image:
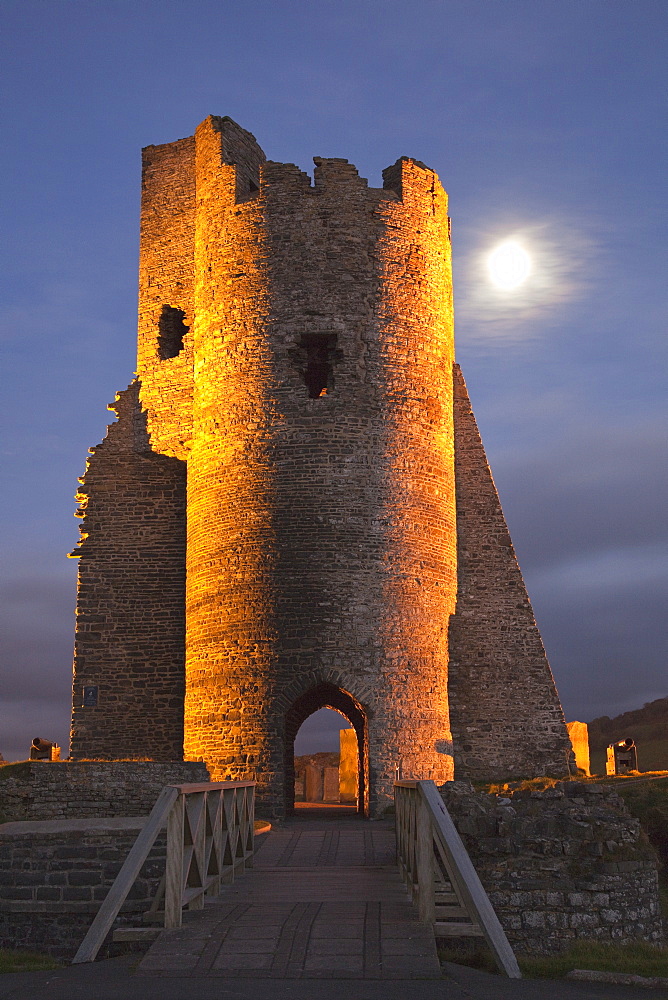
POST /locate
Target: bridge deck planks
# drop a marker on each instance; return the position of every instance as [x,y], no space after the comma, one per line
[324,900]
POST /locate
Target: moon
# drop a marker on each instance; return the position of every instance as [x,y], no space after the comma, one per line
[509,265]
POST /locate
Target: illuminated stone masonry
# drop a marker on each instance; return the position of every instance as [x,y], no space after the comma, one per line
[295,407]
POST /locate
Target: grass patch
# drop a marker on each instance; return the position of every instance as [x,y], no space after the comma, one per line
[522,784]
[638,958]
[25,961]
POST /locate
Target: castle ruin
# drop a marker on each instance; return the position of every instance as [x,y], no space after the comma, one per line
[294,509]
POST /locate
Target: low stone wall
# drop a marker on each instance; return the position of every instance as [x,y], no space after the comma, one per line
[561,864]
[45,790]
[55,874]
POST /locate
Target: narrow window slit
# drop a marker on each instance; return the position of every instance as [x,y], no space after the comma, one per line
[171,331]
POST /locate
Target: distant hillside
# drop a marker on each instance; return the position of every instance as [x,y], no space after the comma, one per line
[648,726]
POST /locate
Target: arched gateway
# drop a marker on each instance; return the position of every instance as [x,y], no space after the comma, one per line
[294,508]
[326,695]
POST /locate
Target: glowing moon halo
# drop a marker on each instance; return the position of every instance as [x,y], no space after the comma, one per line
[509,265]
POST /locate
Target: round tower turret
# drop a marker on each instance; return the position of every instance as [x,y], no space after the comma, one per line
[321,552]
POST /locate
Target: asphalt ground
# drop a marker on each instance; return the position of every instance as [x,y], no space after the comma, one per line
[117,979]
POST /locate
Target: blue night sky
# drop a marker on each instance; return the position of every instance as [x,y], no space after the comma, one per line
[545,120]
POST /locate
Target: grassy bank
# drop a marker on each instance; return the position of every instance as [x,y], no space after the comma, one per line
[25,961]
[638,958]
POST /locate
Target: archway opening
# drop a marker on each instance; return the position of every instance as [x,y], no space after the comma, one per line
[327,696]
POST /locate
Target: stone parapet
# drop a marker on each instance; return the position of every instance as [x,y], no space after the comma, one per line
[65,789]
[55,874]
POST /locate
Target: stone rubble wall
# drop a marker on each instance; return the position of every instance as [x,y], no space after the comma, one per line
[559,865]
[60,790]
[55,874]
[130,628]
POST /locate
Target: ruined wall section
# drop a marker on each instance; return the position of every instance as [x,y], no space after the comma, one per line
[166,275]
[165,354]
[238,148]
[321,545]
[67,789]
[130,619]
[507,721]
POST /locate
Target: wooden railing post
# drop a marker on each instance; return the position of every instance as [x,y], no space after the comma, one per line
[125,879]
[250,819]
[425,830]
[424,862]
[198,813]
[174,869]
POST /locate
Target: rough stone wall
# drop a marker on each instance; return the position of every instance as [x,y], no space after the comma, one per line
[65,789]
[167,271]
[507,720]
[54,876]
[321,544]
[560,865]
[130,605]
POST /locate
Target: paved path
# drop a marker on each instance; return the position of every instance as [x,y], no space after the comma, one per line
[324,900]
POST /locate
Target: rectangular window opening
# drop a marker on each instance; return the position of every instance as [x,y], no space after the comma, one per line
[319,348]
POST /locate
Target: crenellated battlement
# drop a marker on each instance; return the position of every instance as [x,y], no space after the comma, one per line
[219,142]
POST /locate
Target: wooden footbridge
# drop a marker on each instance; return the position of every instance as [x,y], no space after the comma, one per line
[320,898]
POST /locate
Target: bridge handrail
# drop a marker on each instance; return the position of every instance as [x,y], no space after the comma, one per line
[423,822]
[210,836]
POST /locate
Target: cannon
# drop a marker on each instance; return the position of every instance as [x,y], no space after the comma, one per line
[621,757]
[44,750]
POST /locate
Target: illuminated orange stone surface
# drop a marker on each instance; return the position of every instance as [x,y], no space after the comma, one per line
[348,765]
[321,535]
[579,737]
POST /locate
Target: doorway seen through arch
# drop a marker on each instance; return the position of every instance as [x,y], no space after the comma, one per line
[326,762]
[324,765]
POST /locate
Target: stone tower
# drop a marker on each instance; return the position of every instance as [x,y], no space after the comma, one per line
[275,522]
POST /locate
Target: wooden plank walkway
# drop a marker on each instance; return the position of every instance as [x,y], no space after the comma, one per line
[324,901]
